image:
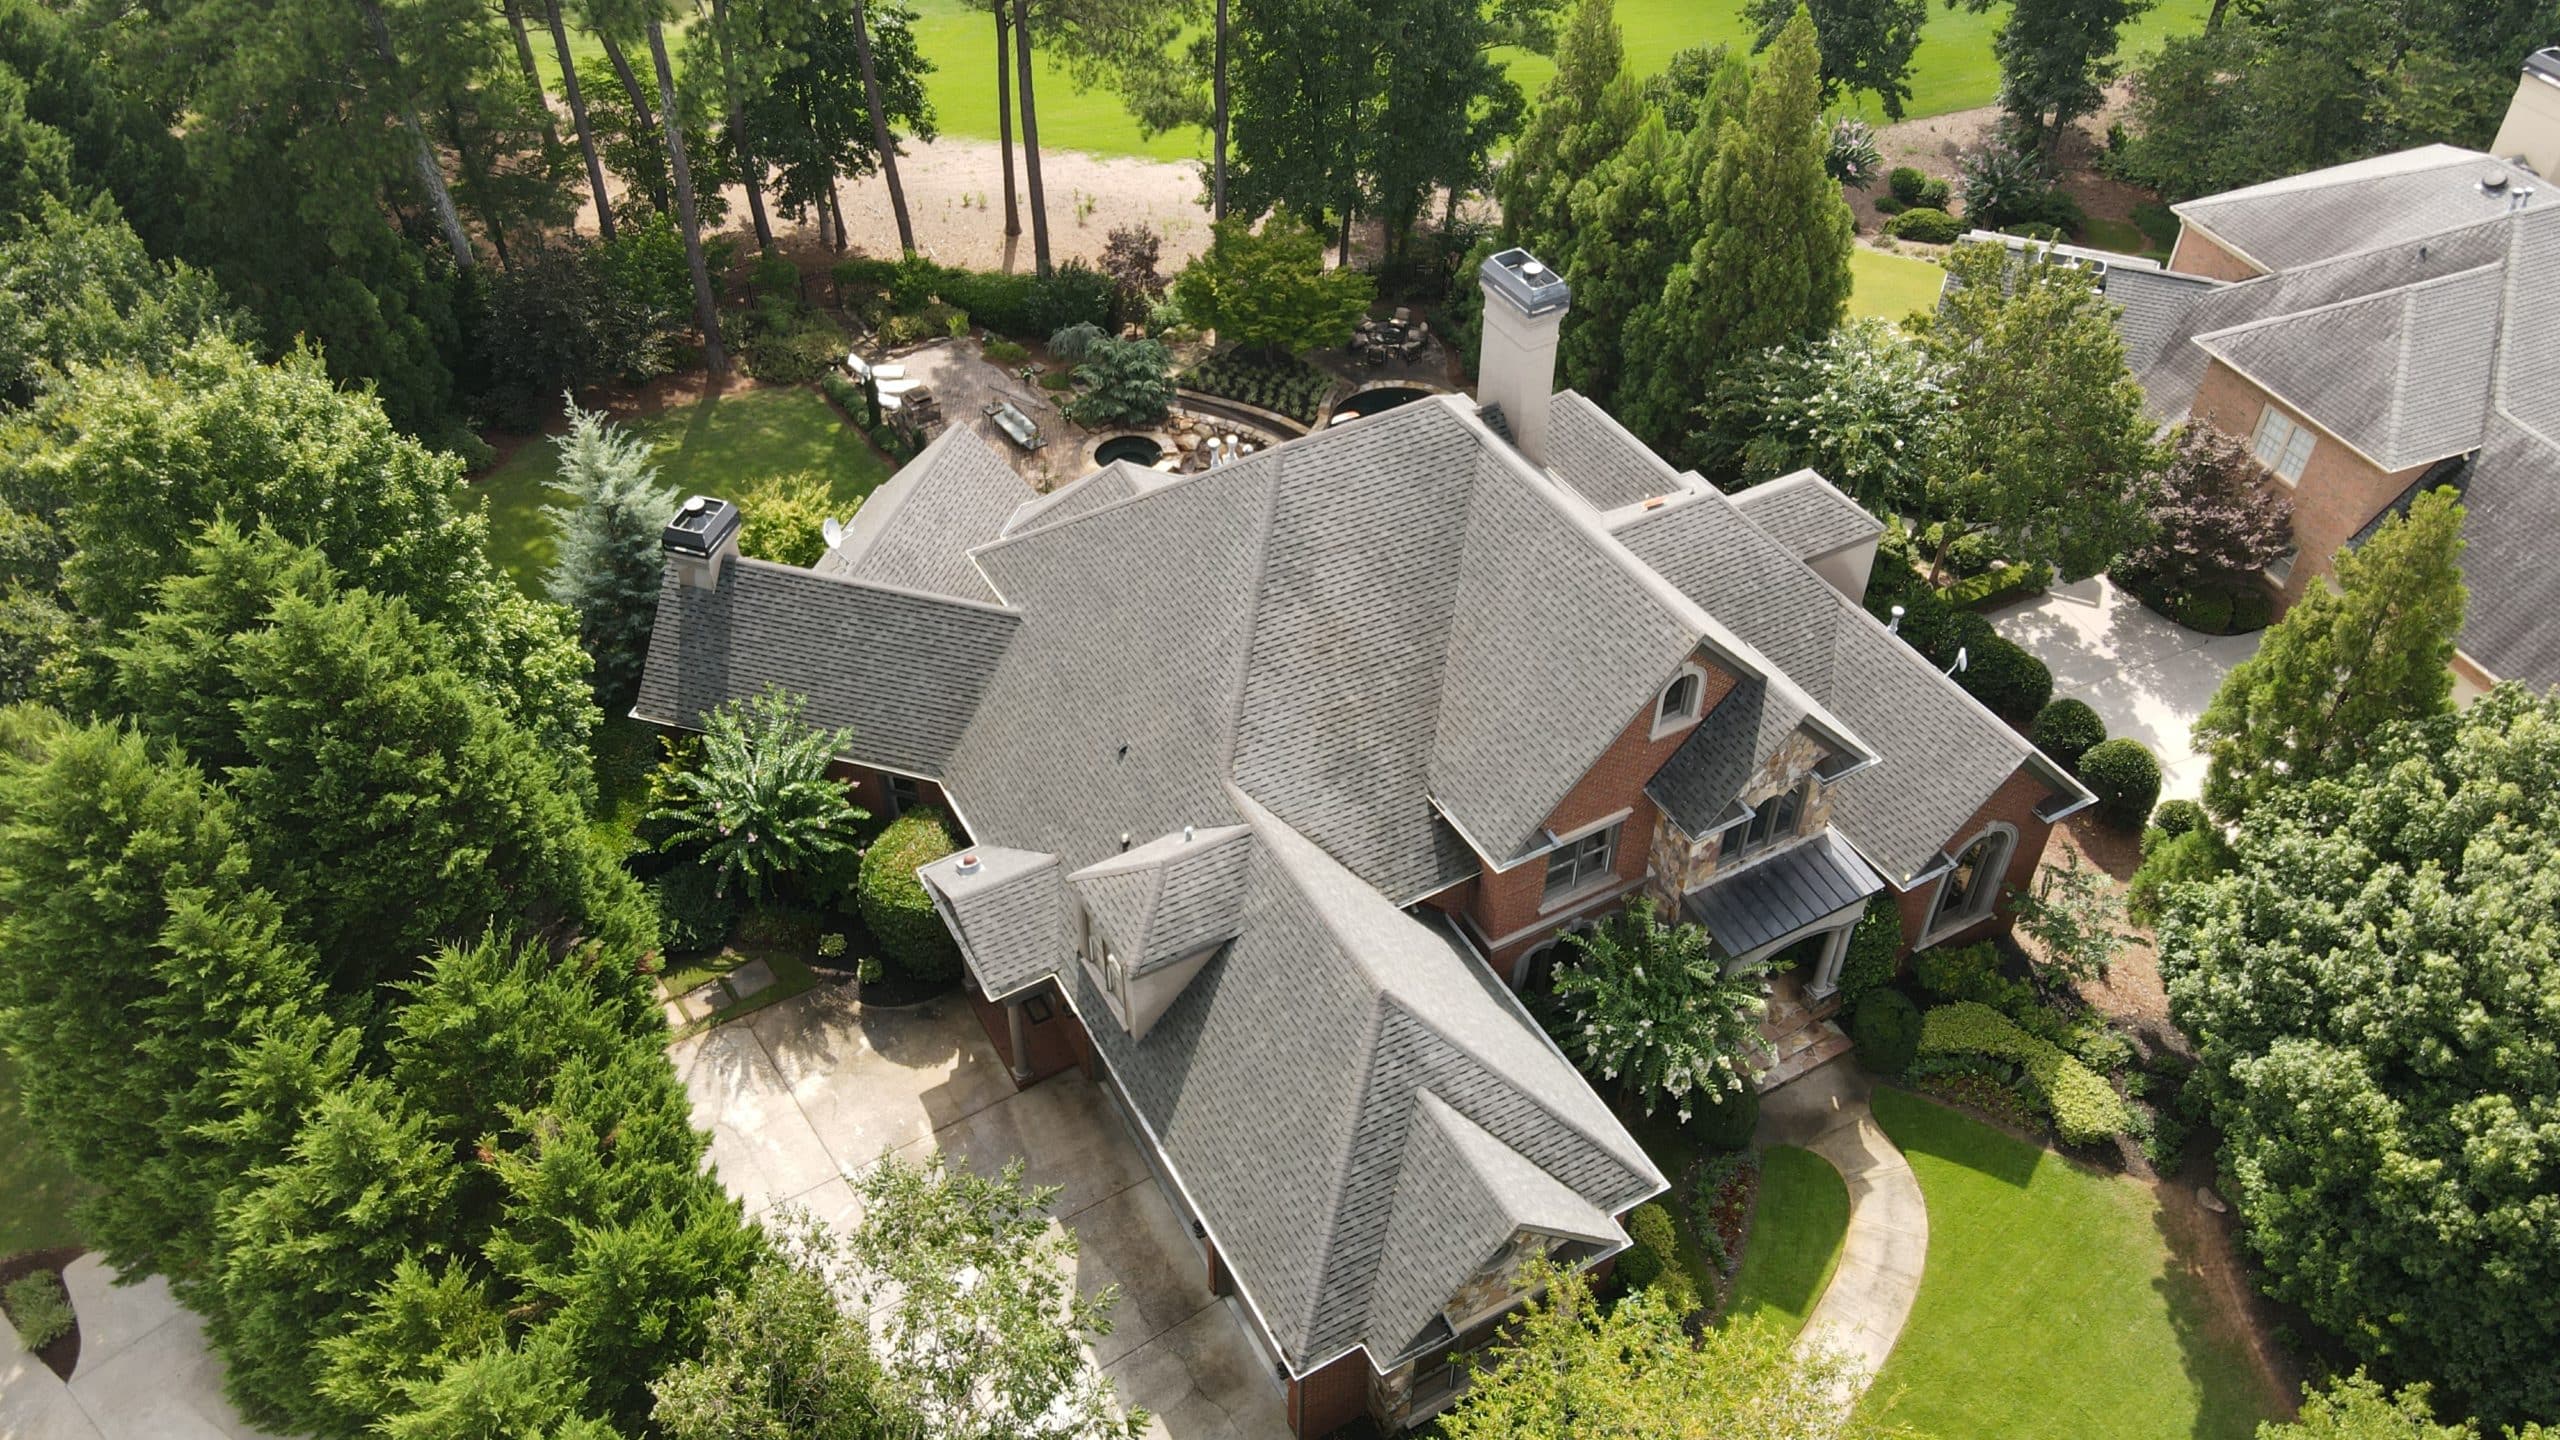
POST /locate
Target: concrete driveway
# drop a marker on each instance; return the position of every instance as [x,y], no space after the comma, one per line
[2147,677]
[145,1372]
[802,1096]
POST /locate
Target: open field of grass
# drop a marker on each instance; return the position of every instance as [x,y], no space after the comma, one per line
[715,446]
[1797,1227]
[2051,1304]
[36,1190]
[1888,287]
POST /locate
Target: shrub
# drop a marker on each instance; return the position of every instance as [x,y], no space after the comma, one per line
[2002,675]
[758,807]
[2066,730]
[1001,301]
[1006,352]
[786,343]
[2084,1107]
[38,1308]
[2167,859]
[1056,380]
[1960,972]
[2205,610]
[1129,256]
[2252,608]
[1934,195]
[1726,1121]
[1127,382]
[832,945]
[2006,185]
[692,913]
[1886,1026]
[2125,778]
[1269,290]
[1654,1247]
[1926,224]
[775,276]
[782,517]
[2178,817]
[1283,386]
[894,903]
[1849,152]
[1887,205]
[1076,341]
[1905,183]
[2103,1050]
[1074,293]
[1875,949]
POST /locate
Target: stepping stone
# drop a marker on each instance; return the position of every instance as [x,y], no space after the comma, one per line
[695,1004]
[674,1013]
[750,978]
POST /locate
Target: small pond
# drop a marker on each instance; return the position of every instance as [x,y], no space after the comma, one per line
[1383,397]
[1138,450]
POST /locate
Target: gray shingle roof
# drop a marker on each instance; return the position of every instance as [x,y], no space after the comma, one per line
[1700,785]
[1170,897]
[1769,899]
[2313,216]
[1011,915]
[1109,485]
[1590,451]
[2150,304]
[2403,375]
[903,671]
[914,532]
[2512,495]
[1808,515]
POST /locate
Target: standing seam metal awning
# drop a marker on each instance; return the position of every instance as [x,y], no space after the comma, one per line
[1778,896]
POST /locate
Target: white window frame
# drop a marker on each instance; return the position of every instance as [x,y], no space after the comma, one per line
[2280,570]
[1985,898]
[1665,718]
[1737,843]
[2282,444]
[1589,860]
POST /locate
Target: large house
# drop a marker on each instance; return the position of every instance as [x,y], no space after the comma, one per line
[1280,779]
[2380,328]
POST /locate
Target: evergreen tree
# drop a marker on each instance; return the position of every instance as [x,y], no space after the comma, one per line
[78,288]
[1583,117]
[1770,260]
[2342,663]
[610,560]
[1626,238]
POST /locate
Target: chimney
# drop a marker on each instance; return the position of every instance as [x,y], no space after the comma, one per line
[1524,305]
[2531,131]
[702,537]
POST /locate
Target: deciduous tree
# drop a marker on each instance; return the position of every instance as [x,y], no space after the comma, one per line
[1653,1008]
[1866,44]
[1863,405]
[2215,521]
[2056,57]
[1270,291]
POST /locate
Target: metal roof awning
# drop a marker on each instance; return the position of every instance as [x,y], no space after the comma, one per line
[1772,899]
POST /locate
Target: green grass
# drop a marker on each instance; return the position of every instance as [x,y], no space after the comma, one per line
[36,1189]
[2120,235]
[716,446]
[792,977]
[1889,287]
[1797,1226]
[2051,1304]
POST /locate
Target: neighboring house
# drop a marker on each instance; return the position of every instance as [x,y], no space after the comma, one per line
[1282,778]
[2379,328]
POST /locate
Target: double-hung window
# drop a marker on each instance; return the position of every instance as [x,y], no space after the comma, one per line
[2281,445]
[1775,820]
[1582,861]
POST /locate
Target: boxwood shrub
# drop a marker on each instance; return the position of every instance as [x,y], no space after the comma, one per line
[2000,673]
[893,901]
[1926,224]
[2066,730]
[1886,1027]
[2085,1108]
[2125,777]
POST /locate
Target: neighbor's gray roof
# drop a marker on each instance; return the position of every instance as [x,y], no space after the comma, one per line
[915,530]
[1768,900]
[2321,213]
[1011,916]
[1808,515]
[902,671]
[2403,375]
[1283,1085]
[1170,897]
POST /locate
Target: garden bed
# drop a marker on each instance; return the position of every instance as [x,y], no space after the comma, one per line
[62,1354]
[1286,387]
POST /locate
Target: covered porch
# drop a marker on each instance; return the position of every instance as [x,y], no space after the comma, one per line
[1809,895]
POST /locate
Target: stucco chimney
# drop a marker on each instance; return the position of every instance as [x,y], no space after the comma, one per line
[702,537]
[1524,305]
[2531,131]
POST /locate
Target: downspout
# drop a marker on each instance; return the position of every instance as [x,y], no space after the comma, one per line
[1016,1031]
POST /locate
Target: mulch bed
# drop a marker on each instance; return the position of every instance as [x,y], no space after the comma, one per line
[64,1353]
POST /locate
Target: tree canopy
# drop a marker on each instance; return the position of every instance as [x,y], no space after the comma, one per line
[1270,291]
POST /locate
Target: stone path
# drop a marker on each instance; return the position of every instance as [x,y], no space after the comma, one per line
[145,1372]
[1862,1313]
[1796,1038]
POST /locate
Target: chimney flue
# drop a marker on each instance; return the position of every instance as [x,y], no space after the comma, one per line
[1524,305]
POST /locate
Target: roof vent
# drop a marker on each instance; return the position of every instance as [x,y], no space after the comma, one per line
[1124,839]
[2494,181]
[968,864]
[1187,832]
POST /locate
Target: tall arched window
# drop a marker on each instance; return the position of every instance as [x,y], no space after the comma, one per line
[1680,701]
[1973,886]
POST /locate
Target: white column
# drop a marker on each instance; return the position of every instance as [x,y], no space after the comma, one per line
[1826,973]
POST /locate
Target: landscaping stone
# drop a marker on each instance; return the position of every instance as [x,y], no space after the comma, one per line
[699,1003]
[750,978]
[2206,1198]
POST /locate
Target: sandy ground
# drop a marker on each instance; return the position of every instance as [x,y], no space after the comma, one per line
[1937,146]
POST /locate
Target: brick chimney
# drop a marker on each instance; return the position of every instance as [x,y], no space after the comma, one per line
[702,537]
[1524,305]
[2531,131]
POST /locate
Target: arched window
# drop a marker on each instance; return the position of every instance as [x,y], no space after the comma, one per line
[1973,886]
[1680,700]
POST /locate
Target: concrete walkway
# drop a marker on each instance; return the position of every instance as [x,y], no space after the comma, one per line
[145,1372]
[2147,677]
[1862,1313]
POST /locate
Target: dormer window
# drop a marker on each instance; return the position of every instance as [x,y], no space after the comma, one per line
[1680,701]
[1774,821]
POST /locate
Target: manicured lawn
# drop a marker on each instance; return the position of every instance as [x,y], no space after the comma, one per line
[1889,287]
[716,446]
[36,1191]
[2051,1304]
[1796,1229]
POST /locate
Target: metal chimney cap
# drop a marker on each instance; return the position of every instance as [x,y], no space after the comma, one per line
[701,526]
[2544,62]
[1522,279]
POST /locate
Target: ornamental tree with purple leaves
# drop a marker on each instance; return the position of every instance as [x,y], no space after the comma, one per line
[2215,520]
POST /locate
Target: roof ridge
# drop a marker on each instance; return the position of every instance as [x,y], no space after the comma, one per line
[2399,292]
[827,577]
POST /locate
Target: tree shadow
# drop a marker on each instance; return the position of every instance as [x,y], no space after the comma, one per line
[2241,1376]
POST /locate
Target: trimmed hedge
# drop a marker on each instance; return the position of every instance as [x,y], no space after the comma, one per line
[894,903]
[2125,777]
[2066,730]
[1886,1027]
[1998,584]
[1655,1248]
[1927,225]
[2001,674]
[1875,951]
[2085,1108]
[2179,817]
[1020,304]
[1725,1121]
[692,913]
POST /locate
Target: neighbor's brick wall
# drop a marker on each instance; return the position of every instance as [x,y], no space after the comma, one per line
[2197,254]
[2339,490]
[2015,802]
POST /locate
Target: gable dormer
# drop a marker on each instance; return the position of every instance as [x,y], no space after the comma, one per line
[1153,917]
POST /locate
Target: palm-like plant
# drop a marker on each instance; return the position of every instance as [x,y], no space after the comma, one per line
[1655,1008]
[759,803]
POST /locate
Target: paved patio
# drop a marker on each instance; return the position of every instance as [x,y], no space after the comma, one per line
[144,1373]
[2147,677]
[804,1094]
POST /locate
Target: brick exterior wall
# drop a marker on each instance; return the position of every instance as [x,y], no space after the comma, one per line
[1331,1398]
[2014,802]
[1057,1043]
[2339,490]
[2197,254]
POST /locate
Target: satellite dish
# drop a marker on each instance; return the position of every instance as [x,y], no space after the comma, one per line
[834,531]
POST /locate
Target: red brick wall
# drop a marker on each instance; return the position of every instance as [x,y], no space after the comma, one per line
[2339,490]
[871,790]
[1496,905]
[1331,1398]
[2014,802]
[2197,254]
[1055,1043]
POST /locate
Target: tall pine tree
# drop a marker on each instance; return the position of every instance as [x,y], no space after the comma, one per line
[609,559]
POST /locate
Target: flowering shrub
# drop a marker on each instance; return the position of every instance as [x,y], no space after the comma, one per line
[2085,1107]
[758,805]
[1650,1006]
